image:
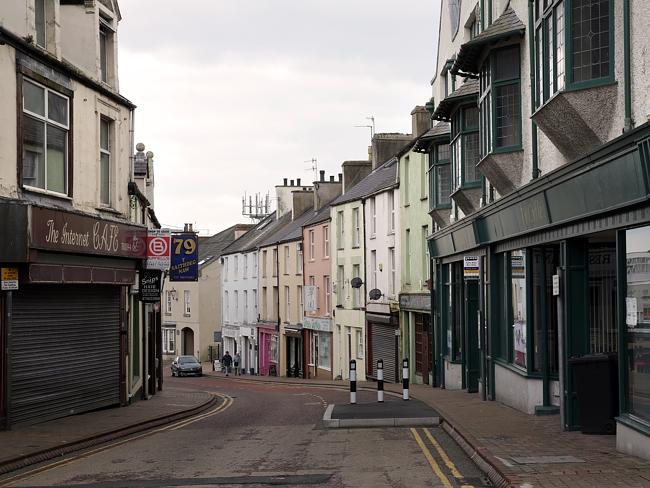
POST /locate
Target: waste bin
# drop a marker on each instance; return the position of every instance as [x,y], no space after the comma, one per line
[595,379]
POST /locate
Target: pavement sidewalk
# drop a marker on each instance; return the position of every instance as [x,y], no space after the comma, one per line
[516,449]
[23,446]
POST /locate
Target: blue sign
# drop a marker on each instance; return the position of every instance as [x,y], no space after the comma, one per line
[184,258]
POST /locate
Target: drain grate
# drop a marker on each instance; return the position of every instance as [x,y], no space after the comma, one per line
[477,482]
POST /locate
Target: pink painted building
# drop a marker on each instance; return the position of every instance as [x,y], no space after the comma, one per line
[317,321]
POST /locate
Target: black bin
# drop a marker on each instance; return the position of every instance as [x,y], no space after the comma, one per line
[596,383]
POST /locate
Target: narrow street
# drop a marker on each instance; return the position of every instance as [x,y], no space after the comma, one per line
[265,435]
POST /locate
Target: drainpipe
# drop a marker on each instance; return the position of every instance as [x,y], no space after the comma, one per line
[629,123]
[531,54]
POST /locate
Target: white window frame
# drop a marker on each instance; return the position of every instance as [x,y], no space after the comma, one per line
[373,267]
[187,303]
[301,304]
[287,304]
[356,292]
[356,223]
[287,257]
[254,257]
[312,245]
[373,217]
[168,302]
[340,229]
[391,212]
[360,345]
[246,306]
[245,259]
[327,284]
[340,280]
[45,120]
[236,258]
[236,300]
[326,241]
[105,151]
[393,271]
[226,308]
[299,258]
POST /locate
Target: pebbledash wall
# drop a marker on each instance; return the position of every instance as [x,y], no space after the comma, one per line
[554,189]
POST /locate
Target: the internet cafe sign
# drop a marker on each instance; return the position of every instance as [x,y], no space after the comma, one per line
[67,232]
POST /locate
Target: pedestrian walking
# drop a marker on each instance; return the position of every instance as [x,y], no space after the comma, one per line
[236,360]
[227,362]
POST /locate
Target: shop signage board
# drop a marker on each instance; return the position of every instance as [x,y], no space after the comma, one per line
[56,230]
[471,268]
[158,249]
[150,285]
[311,298]
[314,323]
[9,279]
[184,265]
[518,266]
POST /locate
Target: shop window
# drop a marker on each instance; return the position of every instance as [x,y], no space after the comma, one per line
[587,59]
[465,147]
[500,101]
[45,132]
[637,319]
[359,342]
[324,351]
[169,337]
[454,308]
[274,349]
[518,308]
[439,177]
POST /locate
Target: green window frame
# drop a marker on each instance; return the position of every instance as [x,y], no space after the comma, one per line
[500,101]
[453,286]
[439,177]
[465,147]
[569,54]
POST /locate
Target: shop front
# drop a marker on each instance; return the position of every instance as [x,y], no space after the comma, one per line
[560,299]
[318,345]
[383,343]
[293,341]
[248,351]
[268,346]
[70,343]
[231,338]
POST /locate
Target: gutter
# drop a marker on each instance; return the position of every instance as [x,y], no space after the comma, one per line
[629,122]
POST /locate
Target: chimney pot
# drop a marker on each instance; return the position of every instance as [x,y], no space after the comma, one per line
[298,182]
[340,176]
[322,174]
[331,178]
[291,181]
[285,182]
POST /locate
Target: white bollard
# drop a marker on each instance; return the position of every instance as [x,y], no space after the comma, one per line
[405,379]
[380,381]
[353,382]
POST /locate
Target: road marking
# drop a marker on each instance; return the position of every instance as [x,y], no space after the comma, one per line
[443,455]
[432,462]
[227,402]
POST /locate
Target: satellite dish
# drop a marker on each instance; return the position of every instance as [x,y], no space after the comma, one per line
[356,282]
[375,294]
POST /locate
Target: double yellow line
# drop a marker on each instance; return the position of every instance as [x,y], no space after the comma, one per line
[225,404]
[437,470]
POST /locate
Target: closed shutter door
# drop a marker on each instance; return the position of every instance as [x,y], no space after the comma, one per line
[383,347]
[65,351]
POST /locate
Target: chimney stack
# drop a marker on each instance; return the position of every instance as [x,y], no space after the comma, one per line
[331,178]
[291,182]
[420,121]
[188,228]
[285,182]
[298,182]
[341,177]
[322,175]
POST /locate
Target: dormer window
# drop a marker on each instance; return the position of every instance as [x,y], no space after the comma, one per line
[106,53]
[41,23]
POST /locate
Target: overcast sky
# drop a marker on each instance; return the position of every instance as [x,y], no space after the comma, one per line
[234,95]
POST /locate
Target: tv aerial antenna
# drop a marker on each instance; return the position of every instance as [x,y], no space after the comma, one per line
[313,166]
[370,126]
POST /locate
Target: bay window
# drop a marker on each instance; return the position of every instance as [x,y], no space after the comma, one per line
[500,101]
[465,147]
[439,176]
[573,45]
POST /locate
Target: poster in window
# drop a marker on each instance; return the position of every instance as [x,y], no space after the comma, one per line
[520,342]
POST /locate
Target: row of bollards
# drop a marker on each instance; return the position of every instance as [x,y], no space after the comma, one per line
[380,380]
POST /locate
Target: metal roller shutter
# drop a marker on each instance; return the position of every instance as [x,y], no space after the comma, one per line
[64,351]
[383,347]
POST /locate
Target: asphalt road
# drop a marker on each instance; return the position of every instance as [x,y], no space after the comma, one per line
[266,435]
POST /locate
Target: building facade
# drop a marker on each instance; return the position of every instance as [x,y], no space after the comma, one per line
[69,225]
[543,192]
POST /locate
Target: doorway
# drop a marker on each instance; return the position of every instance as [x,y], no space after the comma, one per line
[187,336]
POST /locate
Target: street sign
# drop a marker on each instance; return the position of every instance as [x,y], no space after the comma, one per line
[184,258]
[471,269]
[150,284]
[9,279]
[158,249]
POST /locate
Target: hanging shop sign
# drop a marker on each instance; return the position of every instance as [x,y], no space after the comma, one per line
[158,249]
[55,230]
[150,285]
[471,268]
[518,266]
[310,298]
[184,264]
[9,279]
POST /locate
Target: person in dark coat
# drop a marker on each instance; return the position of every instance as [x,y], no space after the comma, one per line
[227,362]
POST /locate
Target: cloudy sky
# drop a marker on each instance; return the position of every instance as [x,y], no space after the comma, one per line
[234,95]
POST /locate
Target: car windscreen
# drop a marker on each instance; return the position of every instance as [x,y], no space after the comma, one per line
[187,360]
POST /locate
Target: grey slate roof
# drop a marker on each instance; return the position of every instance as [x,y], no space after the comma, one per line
[439,131]
[290,230]
[467,91]
[507,25]
[382,178]
[251,239]
[212,247]
[321,215]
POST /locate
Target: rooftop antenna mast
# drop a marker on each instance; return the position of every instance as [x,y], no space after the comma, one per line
[370,126]
[257,211]
[313,167]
